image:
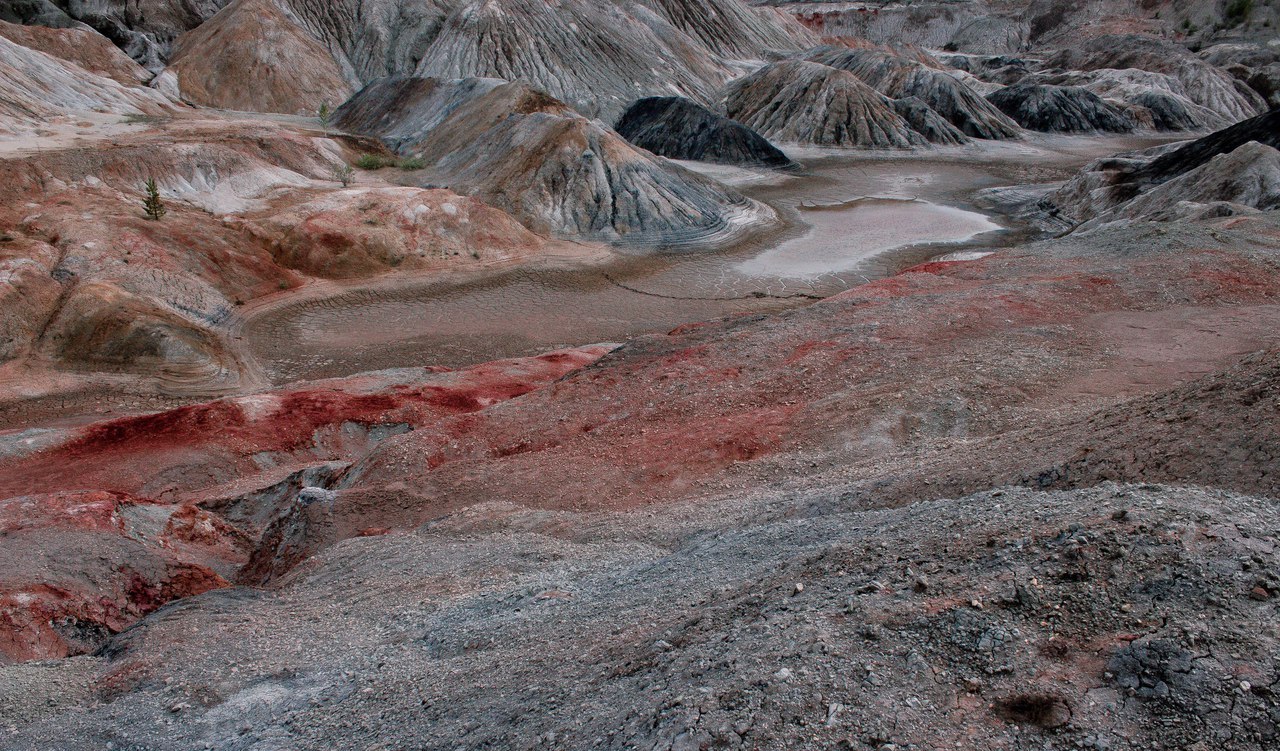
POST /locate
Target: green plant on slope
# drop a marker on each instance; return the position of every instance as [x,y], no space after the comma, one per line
[152,204]
[343,174]
[372,162]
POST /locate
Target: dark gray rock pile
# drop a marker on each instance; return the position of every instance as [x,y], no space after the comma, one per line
[1059,109]
[680,129]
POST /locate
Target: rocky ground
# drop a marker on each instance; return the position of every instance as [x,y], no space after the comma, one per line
[1021,497]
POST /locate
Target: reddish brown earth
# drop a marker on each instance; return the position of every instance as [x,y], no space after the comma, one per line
[915,371]
[252,57]
[742,533]
[944,351]
[102,298]
[89,50]
[120,517]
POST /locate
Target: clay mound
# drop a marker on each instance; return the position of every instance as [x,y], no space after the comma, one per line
[101,326]
[1204,84]
[1245,179]
[528,154]
[35,87]
[595,56]
[1108,184]
[91,287]
[403,112]
[359,232]
[1248,55]
[144,29]
[84,48]
[1166,112]
[899,78]
[1059,109]
[803,102]
[680,129]
[923,120]
[253,56]
[1157,101]
[1264,129]
[599,57]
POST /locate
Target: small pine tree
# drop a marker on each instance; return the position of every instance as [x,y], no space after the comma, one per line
[152,204]
[324,114]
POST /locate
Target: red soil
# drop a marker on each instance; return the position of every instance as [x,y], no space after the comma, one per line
[943,350]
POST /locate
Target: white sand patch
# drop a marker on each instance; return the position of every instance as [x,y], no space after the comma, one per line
[257,406]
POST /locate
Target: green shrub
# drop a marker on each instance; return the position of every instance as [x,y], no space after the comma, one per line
[373,162]
[412,163]
[1238,11]
[343,174]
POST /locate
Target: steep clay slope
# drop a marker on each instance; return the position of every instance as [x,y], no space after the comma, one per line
[899,77]
[35,87]
[596,56]
[1199,172]
[803,102]
[1205,84]
[88,50]
[144,29]
[924,120]
[680,129]
[557,172]
[1059,109]
[253,56]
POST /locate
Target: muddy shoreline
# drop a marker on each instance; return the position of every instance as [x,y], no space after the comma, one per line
[458,322]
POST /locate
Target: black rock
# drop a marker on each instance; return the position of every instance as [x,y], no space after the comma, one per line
[678,128]
[1059,109]
[928,123]
[1168,112]
[1264,129]
[1266,81]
